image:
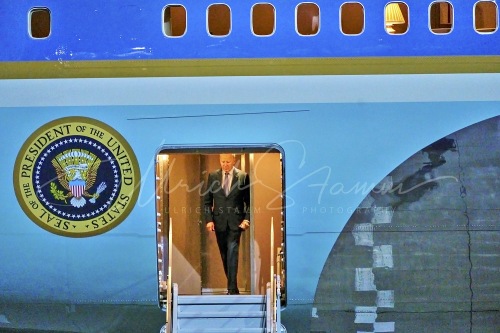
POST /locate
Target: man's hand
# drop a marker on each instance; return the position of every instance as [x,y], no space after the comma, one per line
[210,226]
[244,225]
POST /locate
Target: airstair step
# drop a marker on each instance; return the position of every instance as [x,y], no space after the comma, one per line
[218,322]
[221,299]
[200,308]
[220,305]
[221,314]
[223,330]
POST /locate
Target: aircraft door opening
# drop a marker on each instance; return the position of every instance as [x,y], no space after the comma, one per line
[195,263]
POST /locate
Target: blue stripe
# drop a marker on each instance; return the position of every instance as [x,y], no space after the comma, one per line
[114,30]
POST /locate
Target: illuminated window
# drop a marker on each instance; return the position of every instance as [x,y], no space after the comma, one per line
[39,22]
[263,19]
[219,19]
[307,19]
[396,18]
[174,20]
[352,18]
[485,16]
[441,17]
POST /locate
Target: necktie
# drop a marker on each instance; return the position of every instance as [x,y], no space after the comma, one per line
[225,185]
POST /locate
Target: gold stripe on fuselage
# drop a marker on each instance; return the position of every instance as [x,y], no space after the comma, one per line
[249,67]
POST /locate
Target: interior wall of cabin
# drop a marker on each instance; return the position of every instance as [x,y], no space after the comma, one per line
[266,178]
[219,19]
[441,17]
[263,19]
[486,13]
[307,19]
[352,18]
[174,19]
[183,178]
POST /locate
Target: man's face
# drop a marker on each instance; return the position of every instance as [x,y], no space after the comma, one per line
[226,162]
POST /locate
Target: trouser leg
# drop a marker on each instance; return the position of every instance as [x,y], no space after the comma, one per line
[229,242]
[233,244]
[222,244]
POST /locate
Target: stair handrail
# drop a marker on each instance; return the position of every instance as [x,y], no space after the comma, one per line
[273,282]
[168,315]
[275,288]
[175,309]
[277,307]
[268,308]
[274,292]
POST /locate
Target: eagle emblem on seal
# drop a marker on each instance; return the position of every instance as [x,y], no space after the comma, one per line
[76,171]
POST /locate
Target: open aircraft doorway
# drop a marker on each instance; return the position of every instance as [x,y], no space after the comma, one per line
[192,258]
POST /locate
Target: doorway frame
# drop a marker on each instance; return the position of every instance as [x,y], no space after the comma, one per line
[163,225]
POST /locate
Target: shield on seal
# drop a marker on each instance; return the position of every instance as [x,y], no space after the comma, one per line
[77,187]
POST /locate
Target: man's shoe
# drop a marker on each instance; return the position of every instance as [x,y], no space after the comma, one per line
[233,292]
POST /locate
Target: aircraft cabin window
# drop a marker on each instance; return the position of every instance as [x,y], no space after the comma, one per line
[352,18]
[263,19]
[219,20]
[174,20]
[39,23]
[441,17]
[485,17]
[307,21]
[396,18]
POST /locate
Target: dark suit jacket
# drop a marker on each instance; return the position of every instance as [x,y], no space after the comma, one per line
[231,210]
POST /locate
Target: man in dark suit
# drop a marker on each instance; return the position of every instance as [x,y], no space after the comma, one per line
[227,212]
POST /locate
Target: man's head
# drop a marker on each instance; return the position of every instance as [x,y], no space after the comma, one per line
[226,162]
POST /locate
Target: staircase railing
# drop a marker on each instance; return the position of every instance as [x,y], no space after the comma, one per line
[175,303]
[272,280]
[274,291]
[168,311]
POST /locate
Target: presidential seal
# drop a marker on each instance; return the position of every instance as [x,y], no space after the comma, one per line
[76,177]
